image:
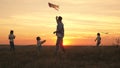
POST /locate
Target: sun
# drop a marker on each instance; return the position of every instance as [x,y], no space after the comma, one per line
[66,42]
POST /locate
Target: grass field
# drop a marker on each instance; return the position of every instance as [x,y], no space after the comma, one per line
[75,57]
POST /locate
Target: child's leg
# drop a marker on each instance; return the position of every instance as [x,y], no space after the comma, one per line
[98,43]
[11,46]
[38,48]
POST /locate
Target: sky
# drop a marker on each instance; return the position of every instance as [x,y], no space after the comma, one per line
[82,19]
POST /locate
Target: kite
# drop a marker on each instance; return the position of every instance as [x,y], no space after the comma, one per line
[56,7]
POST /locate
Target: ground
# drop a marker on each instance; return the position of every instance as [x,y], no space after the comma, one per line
[75,57]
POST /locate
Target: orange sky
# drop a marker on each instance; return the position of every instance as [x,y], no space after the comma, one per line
[82,20]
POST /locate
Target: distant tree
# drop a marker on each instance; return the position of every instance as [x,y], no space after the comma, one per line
[117,41]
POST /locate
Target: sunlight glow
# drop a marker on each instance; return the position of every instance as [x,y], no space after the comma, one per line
[66,42]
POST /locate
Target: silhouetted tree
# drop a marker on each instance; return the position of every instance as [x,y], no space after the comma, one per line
[117,41]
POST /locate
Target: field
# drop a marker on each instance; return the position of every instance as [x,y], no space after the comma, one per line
[75,57]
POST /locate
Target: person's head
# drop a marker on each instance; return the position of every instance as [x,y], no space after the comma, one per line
[60,18]
[38,38]
[11,32]
[98,34]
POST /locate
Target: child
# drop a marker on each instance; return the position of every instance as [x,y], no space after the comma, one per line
[11,38]
[98,39]
[39,42]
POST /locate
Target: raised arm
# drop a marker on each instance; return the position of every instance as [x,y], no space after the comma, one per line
[57,19]
[57,23]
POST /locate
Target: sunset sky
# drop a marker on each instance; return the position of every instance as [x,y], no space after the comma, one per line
[82,19]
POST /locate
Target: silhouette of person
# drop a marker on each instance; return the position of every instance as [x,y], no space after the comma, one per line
[60,34]
[39,43]
[11,39]
[98,39]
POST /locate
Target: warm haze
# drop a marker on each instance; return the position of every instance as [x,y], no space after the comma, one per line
[82,20]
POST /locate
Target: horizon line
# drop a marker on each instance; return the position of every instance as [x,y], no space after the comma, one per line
[50,45]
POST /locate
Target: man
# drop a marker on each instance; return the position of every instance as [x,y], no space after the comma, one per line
[60,34]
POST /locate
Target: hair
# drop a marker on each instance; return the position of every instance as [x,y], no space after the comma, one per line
[38,38]
[60,18]
[11,32]
[98,34]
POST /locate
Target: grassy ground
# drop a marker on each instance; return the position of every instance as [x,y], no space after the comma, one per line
[75,57]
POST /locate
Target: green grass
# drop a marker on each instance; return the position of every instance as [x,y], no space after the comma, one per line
[75,57]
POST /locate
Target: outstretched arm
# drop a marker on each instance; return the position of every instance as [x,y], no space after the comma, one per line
[54,32]
[43,41]
[95,39]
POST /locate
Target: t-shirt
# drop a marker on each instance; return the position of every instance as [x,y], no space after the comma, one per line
[11,37]
[60,29]
[98,39]
[38,43]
